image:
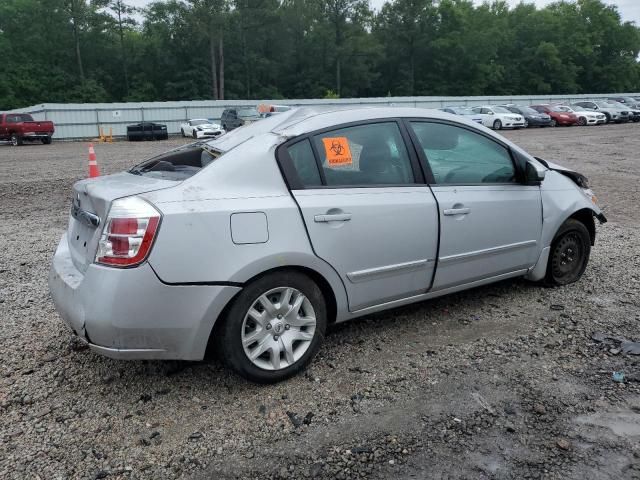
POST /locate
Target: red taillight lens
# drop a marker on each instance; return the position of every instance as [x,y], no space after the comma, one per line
[128,233]
[124,226]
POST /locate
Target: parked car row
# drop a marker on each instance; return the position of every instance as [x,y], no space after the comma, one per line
[197,128]
[585,113]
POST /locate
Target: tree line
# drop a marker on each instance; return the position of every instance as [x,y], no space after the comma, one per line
[107,50]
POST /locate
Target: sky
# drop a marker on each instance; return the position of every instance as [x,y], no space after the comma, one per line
[629,9]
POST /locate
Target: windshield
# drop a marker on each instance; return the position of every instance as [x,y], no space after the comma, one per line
[559,108]
[461,110]
[195,123]
[501,110]
[528,110]
[248,112]
[605,105]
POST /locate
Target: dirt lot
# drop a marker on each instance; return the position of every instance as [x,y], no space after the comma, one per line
[502,382]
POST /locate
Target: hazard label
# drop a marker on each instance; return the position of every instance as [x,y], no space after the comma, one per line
[337,151]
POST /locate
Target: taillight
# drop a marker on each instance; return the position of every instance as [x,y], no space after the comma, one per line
[128,233]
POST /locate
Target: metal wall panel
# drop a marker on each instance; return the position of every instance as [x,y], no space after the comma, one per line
[76,121]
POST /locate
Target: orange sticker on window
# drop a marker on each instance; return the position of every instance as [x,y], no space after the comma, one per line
[337,151]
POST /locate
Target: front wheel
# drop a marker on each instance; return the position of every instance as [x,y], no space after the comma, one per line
[182,132]
[497,125]
[16,140]
[554,123]
[569,254]
[195,134]
[582,121]
[274,327]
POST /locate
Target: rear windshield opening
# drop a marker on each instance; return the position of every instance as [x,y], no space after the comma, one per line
[178,164]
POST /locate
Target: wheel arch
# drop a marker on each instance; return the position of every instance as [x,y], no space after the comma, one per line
[585,216]
[325,286]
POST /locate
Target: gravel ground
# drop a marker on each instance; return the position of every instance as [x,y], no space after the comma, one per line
[502,382]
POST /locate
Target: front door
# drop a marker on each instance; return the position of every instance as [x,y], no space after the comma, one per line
[366,213]
[491,224]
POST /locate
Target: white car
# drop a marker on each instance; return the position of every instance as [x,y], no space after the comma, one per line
[201,128]
[585,117]
[499,117]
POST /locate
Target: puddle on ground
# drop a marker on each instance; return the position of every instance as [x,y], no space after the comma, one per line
[623,423]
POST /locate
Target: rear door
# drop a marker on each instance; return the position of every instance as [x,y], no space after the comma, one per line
[490,222]
[366,209]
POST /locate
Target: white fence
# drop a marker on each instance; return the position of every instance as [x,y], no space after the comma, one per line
[83,120]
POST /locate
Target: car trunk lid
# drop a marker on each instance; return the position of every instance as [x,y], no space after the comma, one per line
[90,205]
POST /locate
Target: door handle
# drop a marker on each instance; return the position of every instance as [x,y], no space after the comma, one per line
[457,211]
[335,217]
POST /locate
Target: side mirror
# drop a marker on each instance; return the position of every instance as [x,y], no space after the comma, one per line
[491,113]
[534,173]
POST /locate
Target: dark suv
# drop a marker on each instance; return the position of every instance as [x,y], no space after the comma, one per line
[236,117]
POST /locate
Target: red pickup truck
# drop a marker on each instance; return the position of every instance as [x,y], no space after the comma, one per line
[17,127]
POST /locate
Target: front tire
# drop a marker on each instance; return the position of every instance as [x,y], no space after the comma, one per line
[569,254]
[582,121]
[497,125]
[182,132]
[274,327]
[553,123]
[195,135]
[16,140]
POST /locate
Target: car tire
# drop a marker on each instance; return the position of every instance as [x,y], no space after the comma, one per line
[569,254]
[242,335]
[16,140]
[526,124]
[497,125]
[195,134]
[46,141]
[182,132]
[553,123]
[608,118]
[582,121]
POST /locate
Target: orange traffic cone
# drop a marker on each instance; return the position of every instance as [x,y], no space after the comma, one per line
[93,164]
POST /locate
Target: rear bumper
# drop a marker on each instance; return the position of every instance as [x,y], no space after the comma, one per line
[131,314]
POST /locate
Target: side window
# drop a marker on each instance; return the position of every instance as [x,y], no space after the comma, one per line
[459,156]
[373,154]
[305,163]
[477,110]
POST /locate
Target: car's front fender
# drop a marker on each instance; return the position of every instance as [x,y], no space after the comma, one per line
[562,199]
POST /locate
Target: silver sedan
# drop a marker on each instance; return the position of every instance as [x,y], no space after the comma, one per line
[253,243]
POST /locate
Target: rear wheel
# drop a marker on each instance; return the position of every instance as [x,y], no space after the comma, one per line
[274,327]
[553,123]
[16,140]
[569,254]
[497,125]
[46,140]
[182,132]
